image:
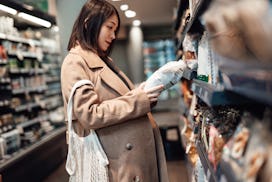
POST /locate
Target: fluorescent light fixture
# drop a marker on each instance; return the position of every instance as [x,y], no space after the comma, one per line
[35,20]
[115,0]
[130,13]
[124,7]
[136,23]
[8,9]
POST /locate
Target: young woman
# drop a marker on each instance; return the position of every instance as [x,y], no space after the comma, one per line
[118,112]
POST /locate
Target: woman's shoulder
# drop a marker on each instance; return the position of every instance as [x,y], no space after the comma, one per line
[77,54]
[72,59]
[74,56]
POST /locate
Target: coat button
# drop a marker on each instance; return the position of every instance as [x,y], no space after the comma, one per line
[136,179]
[129,146]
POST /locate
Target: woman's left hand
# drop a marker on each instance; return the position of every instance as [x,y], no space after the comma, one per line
[152,93]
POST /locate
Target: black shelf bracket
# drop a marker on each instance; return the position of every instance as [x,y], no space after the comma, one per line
[216,96]
[209,172]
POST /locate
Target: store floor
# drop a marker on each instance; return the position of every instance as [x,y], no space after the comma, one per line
[167,118]
[176,169]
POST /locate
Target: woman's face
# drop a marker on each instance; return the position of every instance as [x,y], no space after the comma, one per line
[107,32]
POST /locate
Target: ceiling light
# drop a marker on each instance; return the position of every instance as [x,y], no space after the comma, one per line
[8,9]
[116,0]
[124,7]
[130,13]
[136,23]
[35,20]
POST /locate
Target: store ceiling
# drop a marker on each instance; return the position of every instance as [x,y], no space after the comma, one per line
[150,12]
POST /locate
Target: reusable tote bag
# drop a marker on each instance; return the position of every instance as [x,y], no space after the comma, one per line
[86,159]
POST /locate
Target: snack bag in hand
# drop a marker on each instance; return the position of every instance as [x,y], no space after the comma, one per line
[167,75]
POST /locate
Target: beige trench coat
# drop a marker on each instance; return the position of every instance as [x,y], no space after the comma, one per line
[131,141]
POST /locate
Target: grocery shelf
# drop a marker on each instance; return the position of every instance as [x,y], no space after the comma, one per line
[19,39]
[10,160]
[253,84]
[30,122]
[227,172]
[209,171]
[3,61]
[24,107]
[237,89]
[252,80]
[29,89]
[23,55]
[254,94]
[23,83]
[182,5]
[198,4]
[26,71]
[37,161]
[189,74]
[214,95]
[4,80]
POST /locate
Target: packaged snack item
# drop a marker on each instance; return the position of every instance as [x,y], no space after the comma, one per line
[241,30]
[216,144]
[254,163]
[240,142]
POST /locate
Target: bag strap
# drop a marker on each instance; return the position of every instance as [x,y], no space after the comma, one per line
[70,104]
[152,120]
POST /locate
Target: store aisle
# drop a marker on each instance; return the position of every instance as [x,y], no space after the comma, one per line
[59,175]
[176,169]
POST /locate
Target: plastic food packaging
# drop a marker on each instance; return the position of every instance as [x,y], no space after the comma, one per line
[167,75]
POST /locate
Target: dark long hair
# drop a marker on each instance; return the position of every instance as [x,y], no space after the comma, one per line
[88,24]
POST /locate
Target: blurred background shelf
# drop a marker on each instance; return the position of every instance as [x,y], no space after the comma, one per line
[35,158]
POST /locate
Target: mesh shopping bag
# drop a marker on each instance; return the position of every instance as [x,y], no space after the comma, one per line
[86,159]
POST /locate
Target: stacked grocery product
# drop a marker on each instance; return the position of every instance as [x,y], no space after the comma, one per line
[30,100]
[225,121]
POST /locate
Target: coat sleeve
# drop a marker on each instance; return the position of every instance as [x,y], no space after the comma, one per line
[88,110]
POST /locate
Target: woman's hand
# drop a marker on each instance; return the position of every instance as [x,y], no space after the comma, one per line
[152,93]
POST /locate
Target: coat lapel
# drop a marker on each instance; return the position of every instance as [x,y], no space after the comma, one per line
[131,85]
[113,81]
[107,75]
[121,74]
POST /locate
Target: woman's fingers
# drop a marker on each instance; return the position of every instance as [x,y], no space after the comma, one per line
[154,100]
[153,95]
[141,86]
[158,88]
